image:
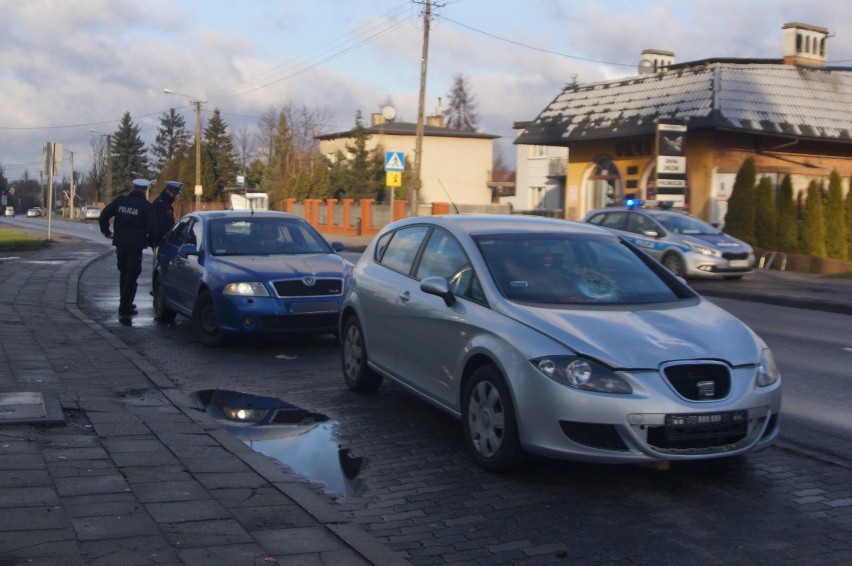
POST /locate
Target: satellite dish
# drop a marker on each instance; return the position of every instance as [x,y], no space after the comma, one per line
[389,112]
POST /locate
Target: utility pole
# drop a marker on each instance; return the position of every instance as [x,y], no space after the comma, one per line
[73,188]
[418,144]
[196,100]
[197,154]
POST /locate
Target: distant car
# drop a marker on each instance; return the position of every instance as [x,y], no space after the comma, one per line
[243,272]
[91,212]
[687,246]
[34,212]
[10,211]
[556,338]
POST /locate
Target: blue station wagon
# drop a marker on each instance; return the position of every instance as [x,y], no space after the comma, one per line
[235,272]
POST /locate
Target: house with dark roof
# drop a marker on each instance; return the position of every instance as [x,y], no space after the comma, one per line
[456,165]
[793,115]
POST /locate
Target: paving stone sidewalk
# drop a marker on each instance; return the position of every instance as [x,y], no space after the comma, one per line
[136,474]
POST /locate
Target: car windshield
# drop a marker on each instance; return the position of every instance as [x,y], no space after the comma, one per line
[264,236]
[683,224]
[562,269]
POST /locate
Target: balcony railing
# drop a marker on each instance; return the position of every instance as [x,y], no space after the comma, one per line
[557,166]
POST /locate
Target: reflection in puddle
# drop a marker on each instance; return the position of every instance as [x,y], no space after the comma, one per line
[301,439]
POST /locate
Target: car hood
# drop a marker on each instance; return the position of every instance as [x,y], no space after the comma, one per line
[271,267]
[719,241]
[647,337]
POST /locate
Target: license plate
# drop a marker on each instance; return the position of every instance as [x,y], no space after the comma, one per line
[738,263]
[705,425]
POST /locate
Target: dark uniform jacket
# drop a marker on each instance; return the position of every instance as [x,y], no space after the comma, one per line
[165,213]
[134,224]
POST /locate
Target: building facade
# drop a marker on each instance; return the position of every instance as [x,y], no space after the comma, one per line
[456,165]
[790,114]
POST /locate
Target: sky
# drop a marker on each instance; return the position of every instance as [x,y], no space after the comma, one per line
[71,66]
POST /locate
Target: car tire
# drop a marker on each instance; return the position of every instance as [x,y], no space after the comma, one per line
[674,263]
[162,313]
[204,322]
[489,424]
[359,377]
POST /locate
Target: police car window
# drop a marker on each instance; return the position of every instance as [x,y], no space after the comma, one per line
[639,224]
[178,233]
[613,219]
[402,248]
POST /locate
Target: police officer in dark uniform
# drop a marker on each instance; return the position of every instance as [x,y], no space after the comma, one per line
[134,226]
[164,210]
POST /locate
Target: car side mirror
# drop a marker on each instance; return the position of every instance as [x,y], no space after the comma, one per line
[438,286]
[187,250]
[338,246]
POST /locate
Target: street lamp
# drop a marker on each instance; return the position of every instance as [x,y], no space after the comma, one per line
[108,152]
[197,102]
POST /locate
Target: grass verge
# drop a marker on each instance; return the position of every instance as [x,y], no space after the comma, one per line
[15,241]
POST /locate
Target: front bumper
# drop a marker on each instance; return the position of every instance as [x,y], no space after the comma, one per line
[276,315]
[568,423]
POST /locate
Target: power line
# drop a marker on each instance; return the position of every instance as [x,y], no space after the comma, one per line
[518,43]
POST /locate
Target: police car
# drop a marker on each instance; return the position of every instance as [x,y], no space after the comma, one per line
[687,246]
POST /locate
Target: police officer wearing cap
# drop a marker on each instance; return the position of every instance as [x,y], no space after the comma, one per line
[164,209]
[134,226]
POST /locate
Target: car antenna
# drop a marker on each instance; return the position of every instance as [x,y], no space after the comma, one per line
[449,197]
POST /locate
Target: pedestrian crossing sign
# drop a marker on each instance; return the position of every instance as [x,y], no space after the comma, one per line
[394,161]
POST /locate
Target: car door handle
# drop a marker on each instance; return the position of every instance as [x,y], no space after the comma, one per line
[405,296]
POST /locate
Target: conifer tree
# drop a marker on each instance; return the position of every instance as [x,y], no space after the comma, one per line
[739,221]
[222,157]
[172,135]
[766,218]
[279,169]
[835,219]
[461,111]
[813,223]
[128,157]
[786,225]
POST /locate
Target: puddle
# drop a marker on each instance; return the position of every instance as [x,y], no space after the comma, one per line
[301,439]
[46,261]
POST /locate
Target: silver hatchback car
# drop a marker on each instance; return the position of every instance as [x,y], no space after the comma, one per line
[687,246]
[555,338]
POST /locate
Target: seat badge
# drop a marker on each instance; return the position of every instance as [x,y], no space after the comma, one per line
[706,389]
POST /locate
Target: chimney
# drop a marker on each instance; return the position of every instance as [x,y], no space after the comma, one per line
[437,119]
[655,61]
[377,119]
[804,43]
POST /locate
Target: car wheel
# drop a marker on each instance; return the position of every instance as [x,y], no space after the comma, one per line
[489,424]
[204,322]
[674,263]
[359,377]
[162,313]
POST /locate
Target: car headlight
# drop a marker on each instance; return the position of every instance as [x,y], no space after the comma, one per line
[246,289]
[767,369]
[698,248]
[582,374]
[245,415]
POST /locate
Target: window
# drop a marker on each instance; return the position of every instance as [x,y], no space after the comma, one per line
[443,256]
[178,233]
[613,219]
[640,224]
[401,248]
